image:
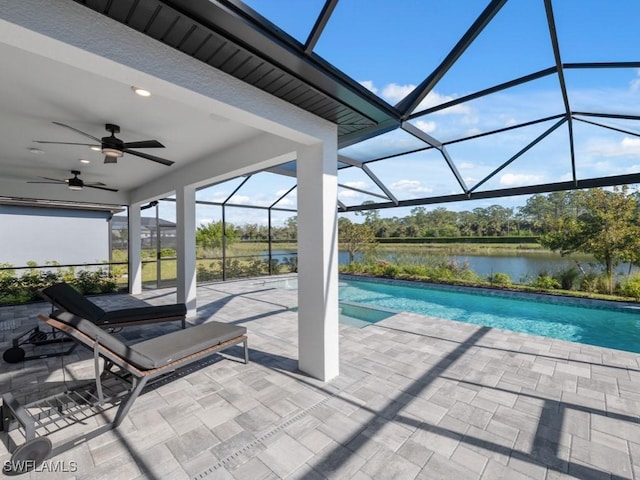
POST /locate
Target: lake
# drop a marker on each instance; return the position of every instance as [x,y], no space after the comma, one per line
[520,266]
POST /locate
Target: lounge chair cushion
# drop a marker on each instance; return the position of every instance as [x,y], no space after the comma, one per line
[109,341]
[68,298]
[138,314]
[173,346]
[159,351]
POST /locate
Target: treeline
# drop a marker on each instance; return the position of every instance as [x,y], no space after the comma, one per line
[537,217]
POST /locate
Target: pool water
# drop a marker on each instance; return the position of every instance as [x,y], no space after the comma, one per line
[617,328]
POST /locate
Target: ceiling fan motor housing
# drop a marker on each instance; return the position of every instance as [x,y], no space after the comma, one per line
[112,142]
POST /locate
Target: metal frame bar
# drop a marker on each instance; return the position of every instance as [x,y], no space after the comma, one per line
[507,192]
[318,27]
[359,190]
[563,86]
[627,132]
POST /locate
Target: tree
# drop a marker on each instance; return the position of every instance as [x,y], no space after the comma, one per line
[355,237]
[210,235]
[607,228]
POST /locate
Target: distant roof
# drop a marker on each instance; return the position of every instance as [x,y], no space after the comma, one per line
[148,223]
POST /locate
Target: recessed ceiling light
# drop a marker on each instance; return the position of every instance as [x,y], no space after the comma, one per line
[84,160]
[141,91]
[96,148]
[36,151]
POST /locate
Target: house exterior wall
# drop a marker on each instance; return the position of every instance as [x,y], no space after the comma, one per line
[34,234]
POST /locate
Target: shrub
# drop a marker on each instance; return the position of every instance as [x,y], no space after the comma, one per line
[545,282]
[567,278]
[631,287]
[499,278]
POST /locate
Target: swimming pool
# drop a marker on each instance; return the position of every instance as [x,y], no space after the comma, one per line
[613,327]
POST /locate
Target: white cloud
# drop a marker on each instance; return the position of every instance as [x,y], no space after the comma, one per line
[635,83]
[515,179]
[368,84]
[426,127]
[410,186]
[607,148]
[466,166]
[393,92]
[356,184]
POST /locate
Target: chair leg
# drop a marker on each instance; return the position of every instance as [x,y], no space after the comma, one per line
[126,404]
[246,350]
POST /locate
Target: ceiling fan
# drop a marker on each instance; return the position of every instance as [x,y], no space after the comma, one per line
[112,147]
[76,183]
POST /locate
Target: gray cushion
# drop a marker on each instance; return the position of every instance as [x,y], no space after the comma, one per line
[173,346]
[107,340]
[159,351]
[137,314]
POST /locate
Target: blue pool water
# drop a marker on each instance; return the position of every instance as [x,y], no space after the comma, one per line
[607,327]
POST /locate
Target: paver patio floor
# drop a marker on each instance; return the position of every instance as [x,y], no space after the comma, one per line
[417,397]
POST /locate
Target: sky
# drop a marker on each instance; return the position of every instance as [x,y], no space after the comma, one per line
[390,47]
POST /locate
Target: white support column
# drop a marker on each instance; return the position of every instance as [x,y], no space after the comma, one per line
[318,349]
[135,259]
[186,247]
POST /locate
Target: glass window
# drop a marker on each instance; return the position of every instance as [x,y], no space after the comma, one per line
[417,175]
[603,153]
[610,90]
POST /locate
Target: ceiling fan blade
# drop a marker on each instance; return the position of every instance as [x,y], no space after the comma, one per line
[66,143]
[101,188]
[51,183]
[95,184]
[78,131]
[168,163]
[144,144]
[110,159]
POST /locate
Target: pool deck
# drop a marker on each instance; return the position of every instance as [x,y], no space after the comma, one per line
[417,397]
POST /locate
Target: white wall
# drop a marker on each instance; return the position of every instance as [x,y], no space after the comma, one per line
[51,234]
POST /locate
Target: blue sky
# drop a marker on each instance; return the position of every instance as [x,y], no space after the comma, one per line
[390,47]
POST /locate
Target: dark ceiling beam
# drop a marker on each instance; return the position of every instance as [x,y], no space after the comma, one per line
[553,33]
[619,116]
[580,65]
[507,192]
[248,29]
[487,91]
[318,27]
[627,132]
[407,105]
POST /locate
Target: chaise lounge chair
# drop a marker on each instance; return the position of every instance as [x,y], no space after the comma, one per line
[127,370]
[65,298]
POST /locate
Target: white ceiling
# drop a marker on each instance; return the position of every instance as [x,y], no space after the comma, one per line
[35,91]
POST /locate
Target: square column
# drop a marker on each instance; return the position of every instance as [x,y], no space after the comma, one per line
[135,259]
[318,349]
[186,247]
